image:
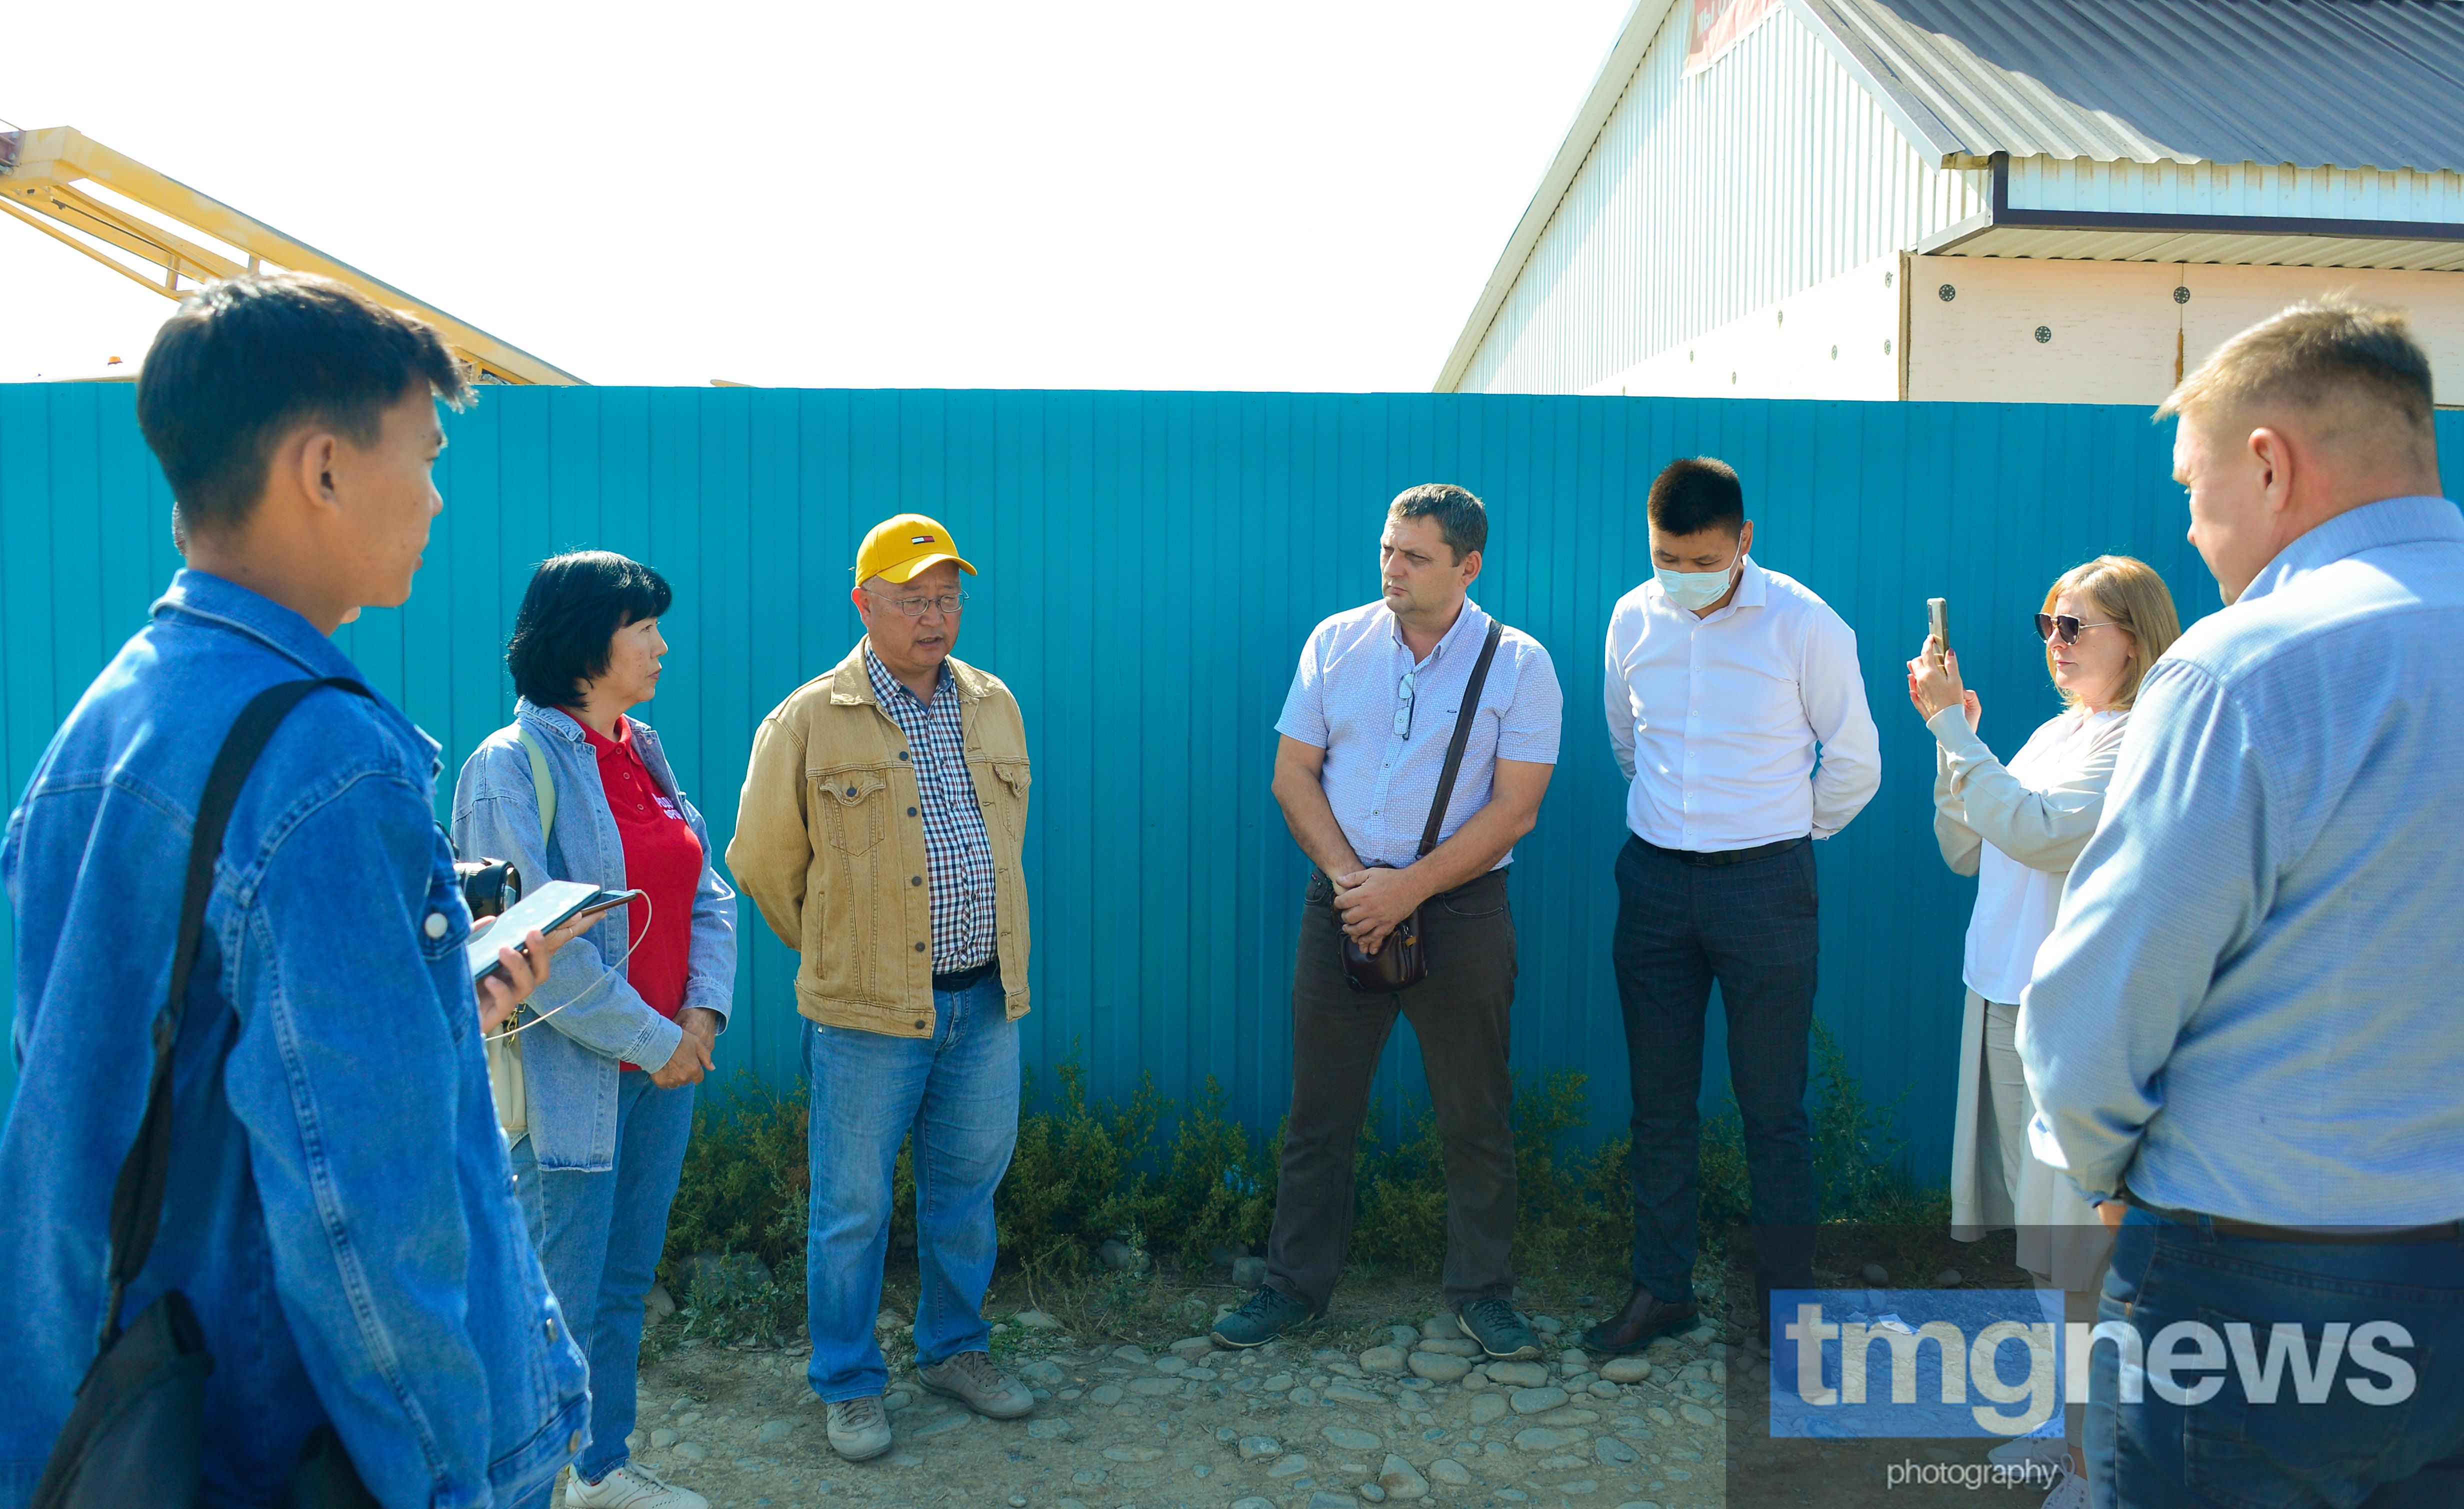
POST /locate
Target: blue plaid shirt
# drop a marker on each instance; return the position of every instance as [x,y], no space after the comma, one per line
[958,854]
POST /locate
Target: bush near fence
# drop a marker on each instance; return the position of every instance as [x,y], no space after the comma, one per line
[1091,1172]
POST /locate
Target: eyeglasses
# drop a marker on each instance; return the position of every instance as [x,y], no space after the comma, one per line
[949,602]
[2049,624]
[1404,713]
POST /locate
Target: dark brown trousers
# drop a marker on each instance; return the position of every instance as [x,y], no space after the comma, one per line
[1459,1013]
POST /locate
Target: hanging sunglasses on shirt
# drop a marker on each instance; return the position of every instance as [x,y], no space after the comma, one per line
[2050,624]
[1404,713]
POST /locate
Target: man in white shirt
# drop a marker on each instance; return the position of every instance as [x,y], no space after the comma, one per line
[1735,706]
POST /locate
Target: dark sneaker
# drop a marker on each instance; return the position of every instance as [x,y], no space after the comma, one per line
[1500,1333]
[1269,1314]
[1645,1318]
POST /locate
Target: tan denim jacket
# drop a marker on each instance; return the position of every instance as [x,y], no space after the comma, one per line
[829,847]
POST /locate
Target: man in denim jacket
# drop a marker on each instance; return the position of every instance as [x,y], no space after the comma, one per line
[339,1212]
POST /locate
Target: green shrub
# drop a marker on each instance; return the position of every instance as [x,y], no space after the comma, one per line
[1086,1172]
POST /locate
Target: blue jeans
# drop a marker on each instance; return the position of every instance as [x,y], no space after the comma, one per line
[957,1092]
[600,1234]
[1751,926]
[2227,1450]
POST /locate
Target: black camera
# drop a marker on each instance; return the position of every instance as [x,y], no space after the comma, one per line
[489,887]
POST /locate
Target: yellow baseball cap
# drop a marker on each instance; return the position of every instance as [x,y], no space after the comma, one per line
[897,548]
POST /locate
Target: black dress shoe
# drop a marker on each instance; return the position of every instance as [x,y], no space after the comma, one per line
[1633,1328]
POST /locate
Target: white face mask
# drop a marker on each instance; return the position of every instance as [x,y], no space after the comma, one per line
[1692,590]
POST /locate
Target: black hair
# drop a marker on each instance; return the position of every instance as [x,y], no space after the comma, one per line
[1697,493]
[1463,520]
[575,604]
[249,360]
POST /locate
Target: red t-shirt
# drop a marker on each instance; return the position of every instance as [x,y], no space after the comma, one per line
[662,859]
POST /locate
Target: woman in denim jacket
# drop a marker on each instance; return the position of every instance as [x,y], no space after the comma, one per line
[624,1026]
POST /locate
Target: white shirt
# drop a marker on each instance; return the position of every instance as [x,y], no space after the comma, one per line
[1717,720]
[2015,902]
[1345,697]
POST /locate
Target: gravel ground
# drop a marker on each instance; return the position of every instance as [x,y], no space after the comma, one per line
[1294,1425]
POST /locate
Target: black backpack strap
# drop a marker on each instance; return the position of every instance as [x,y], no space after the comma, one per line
[137,1199]
[1463,736]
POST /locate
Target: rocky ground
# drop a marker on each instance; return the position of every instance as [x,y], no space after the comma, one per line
[1289,1426]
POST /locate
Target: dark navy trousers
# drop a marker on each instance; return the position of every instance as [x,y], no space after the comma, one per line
[1751,926]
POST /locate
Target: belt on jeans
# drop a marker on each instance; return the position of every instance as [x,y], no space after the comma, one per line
[2442,1230]
[1759,851]
[964,980]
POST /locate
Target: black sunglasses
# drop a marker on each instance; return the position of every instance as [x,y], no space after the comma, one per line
[2049,624]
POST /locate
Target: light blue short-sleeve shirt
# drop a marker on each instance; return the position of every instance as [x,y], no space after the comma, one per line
[1380,775]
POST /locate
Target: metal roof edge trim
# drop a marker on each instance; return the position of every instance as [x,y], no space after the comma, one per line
[2002,214]
[1617,71]
[1916,120]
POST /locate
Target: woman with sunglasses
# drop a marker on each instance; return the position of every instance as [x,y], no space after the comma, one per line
[2016,828]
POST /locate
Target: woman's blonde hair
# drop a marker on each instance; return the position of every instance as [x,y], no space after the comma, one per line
[2126,591]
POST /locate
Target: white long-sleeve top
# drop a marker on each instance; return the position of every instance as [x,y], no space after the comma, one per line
[2016,828]
[1717,721]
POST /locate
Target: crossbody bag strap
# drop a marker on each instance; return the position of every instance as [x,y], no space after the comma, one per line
[541,785]
[137,1197]
[1463,736]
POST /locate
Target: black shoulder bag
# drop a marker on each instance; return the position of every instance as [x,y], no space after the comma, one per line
[136,1434]
[1400,961]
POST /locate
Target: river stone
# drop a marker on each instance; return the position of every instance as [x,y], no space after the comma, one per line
[1383,1359]
[1291,1466]
[1040,1373]
[1451,1346]
[1579,1488]
[692,1450]
[1348,1393]
[1050,1430]
[1626,1369]
[1612,1452]
[1352,1440]
[1876,1274]
[1486,1408]
[1036,1320]
[1438,1367]
[1442,1328]
[774,1432]
[1518,1375]
[1192,1348]
[1279,1383]
[1104,1394]
[1400,1479]
[1253,1501]
[1540,1438]
[1695,1414]
[1258,1448]
[1536,1401]
[1449,1472]
[1154,1388]
[1323,1499]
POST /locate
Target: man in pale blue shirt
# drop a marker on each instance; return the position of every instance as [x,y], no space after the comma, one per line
[1381,695]
[2243,1034]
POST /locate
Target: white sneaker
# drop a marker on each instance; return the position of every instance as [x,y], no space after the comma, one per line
[631,1486]
[2071,1492]
[2030,1449]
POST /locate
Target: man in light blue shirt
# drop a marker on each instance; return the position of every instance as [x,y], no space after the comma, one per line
[1379,697]
[2243,1034]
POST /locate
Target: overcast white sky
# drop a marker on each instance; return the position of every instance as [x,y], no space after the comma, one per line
[1076,194]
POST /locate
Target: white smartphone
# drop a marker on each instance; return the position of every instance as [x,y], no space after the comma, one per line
[544,909]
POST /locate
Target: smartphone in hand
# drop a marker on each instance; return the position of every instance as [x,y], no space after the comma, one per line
[543,910]
[1938,624]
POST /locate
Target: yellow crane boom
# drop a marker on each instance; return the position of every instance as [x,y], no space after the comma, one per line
[40,177]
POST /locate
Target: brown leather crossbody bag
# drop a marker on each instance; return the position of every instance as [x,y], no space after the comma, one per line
[1402,960]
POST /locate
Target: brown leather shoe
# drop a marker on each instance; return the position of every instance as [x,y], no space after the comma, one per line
[1643,1318]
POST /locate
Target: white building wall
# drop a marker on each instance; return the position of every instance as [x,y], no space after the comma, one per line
[1706,199]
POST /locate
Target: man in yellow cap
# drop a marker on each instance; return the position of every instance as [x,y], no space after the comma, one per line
[879,834]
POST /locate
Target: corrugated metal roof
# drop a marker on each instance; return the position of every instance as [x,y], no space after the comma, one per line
[2316,84]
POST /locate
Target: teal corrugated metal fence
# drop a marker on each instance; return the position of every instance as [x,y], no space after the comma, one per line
[1151,563]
